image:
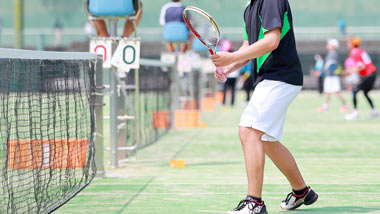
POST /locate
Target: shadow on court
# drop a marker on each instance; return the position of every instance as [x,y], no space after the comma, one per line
[339,210]
[136,195]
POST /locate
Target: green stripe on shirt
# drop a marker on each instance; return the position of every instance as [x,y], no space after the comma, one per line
[285,29]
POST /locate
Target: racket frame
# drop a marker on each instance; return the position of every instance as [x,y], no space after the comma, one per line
[212,21]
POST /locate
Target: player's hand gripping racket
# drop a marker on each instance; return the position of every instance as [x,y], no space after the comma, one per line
[204,27]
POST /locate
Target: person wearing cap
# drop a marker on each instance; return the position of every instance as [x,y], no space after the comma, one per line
[367,72]
[331,84]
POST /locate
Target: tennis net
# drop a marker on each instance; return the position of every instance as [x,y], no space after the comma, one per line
[154,103]
[47,127]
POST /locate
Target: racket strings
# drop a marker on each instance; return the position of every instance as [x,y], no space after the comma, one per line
[203,26]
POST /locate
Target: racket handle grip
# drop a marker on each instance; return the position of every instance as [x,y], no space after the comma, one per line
[221,71]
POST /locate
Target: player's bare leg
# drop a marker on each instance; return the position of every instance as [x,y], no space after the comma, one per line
[254,163]
[254,159]
[284,160]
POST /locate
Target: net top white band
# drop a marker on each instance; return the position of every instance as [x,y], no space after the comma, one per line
[30,54]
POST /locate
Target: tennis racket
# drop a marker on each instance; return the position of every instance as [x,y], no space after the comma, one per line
[204,27]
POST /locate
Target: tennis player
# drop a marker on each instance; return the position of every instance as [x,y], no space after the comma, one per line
[269,43]
[367,73]
[331,84]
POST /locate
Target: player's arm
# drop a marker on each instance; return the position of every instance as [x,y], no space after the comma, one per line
[234,66]
[239,64]
[269,43]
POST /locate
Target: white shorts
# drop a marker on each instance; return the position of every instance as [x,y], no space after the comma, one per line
[331,84]
[267,108]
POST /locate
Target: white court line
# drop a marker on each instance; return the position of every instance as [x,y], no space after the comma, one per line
[198,160]
[230,184]
[125,193]
[342,159]
[210,211]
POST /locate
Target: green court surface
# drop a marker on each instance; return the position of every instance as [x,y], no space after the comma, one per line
[339,159]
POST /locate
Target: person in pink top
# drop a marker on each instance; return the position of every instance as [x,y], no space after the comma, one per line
[352,78]
[367,71]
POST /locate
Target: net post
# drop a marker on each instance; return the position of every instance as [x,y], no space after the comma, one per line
[99,140]
[121,130]
[174,81]
[113,105]
[137,85]
[137,106]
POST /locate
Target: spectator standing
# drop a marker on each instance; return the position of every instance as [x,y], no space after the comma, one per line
[226,45]
[342,26]
[331,84]
[230,84]
[58,28]
[317,71]
[246,81]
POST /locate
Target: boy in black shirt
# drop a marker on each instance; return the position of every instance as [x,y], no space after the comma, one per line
[270,45]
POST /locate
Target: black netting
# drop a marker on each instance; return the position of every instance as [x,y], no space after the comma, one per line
[46,132]
[155,103]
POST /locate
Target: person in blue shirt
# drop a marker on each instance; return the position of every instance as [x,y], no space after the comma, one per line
[317,72]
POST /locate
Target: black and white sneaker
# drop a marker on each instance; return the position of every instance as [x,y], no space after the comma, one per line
[293,201]
[249,207]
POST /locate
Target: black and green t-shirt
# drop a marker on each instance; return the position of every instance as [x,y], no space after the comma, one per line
[282,64]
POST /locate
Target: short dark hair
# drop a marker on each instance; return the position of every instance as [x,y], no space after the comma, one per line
[176,0]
